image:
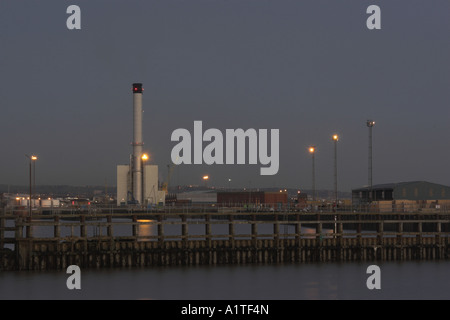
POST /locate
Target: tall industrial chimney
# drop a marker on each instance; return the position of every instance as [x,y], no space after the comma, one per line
[137,183]
[137,142]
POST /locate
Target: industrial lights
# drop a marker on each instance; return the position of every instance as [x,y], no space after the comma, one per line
[335,137]
[312,149]
[205,177]
[145,157]
[370,123]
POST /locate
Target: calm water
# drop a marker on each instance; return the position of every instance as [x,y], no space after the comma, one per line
[405,280]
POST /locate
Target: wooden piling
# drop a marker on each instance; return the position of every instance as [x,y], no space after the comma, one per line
[184,230]
[83,233]
[254,229]
[160,231]
[208,229]
[231,231]
[134,227]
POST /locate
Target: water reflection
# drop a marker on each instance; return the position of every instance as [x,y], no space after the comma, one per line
[145,229]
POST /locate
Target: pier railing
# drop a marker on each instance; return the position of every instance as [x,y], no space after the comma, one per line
[220,226]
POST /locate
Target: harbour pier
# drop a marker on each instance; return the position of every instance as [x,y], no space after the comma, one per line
[107,240]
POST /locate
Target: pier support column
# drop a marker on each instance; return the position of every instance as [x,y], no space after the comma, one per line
[298,231]
[319,227]
[399,230]
[340,226]
[109,227]
[134,226]
[254,230]
[231,230]
[380,231]
[56,228]
[160,230]
[184,230]
[276,238]
[276,229]
[359,229]
[380,237]
[2,231]
[208,229]
[419,239]
[438,239]
[29,228]
[19,228]
[82,226]
[399,239]
[419,231]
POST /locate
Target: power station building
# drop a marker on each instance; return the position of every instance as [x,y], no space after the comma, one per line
[137,182]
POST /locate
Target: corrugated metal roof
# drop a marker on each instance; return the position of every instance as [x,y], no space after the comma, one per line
[395,185]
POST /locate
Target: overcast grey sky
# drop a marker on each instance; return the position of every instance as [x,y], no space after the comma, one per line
[307,68]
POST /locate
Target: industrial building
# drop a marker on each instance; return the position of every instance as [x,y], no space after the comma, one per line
[260,198]
[197,197]
[409,196]
[137,182]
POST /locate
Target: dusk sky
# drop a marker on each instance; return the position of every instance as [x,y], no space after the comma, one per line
[308,68]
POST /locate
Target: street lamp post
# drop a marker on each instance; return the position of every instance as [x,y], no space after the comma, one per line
[335,139]
[144,158]
[370,125]
[312,151]
[34,176]
[33,159]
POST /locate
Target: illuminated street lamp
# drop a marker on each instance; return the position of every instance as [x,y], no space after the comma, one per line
[145,157]
[335,139]
[33,159]
[206,178]
[312,151]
